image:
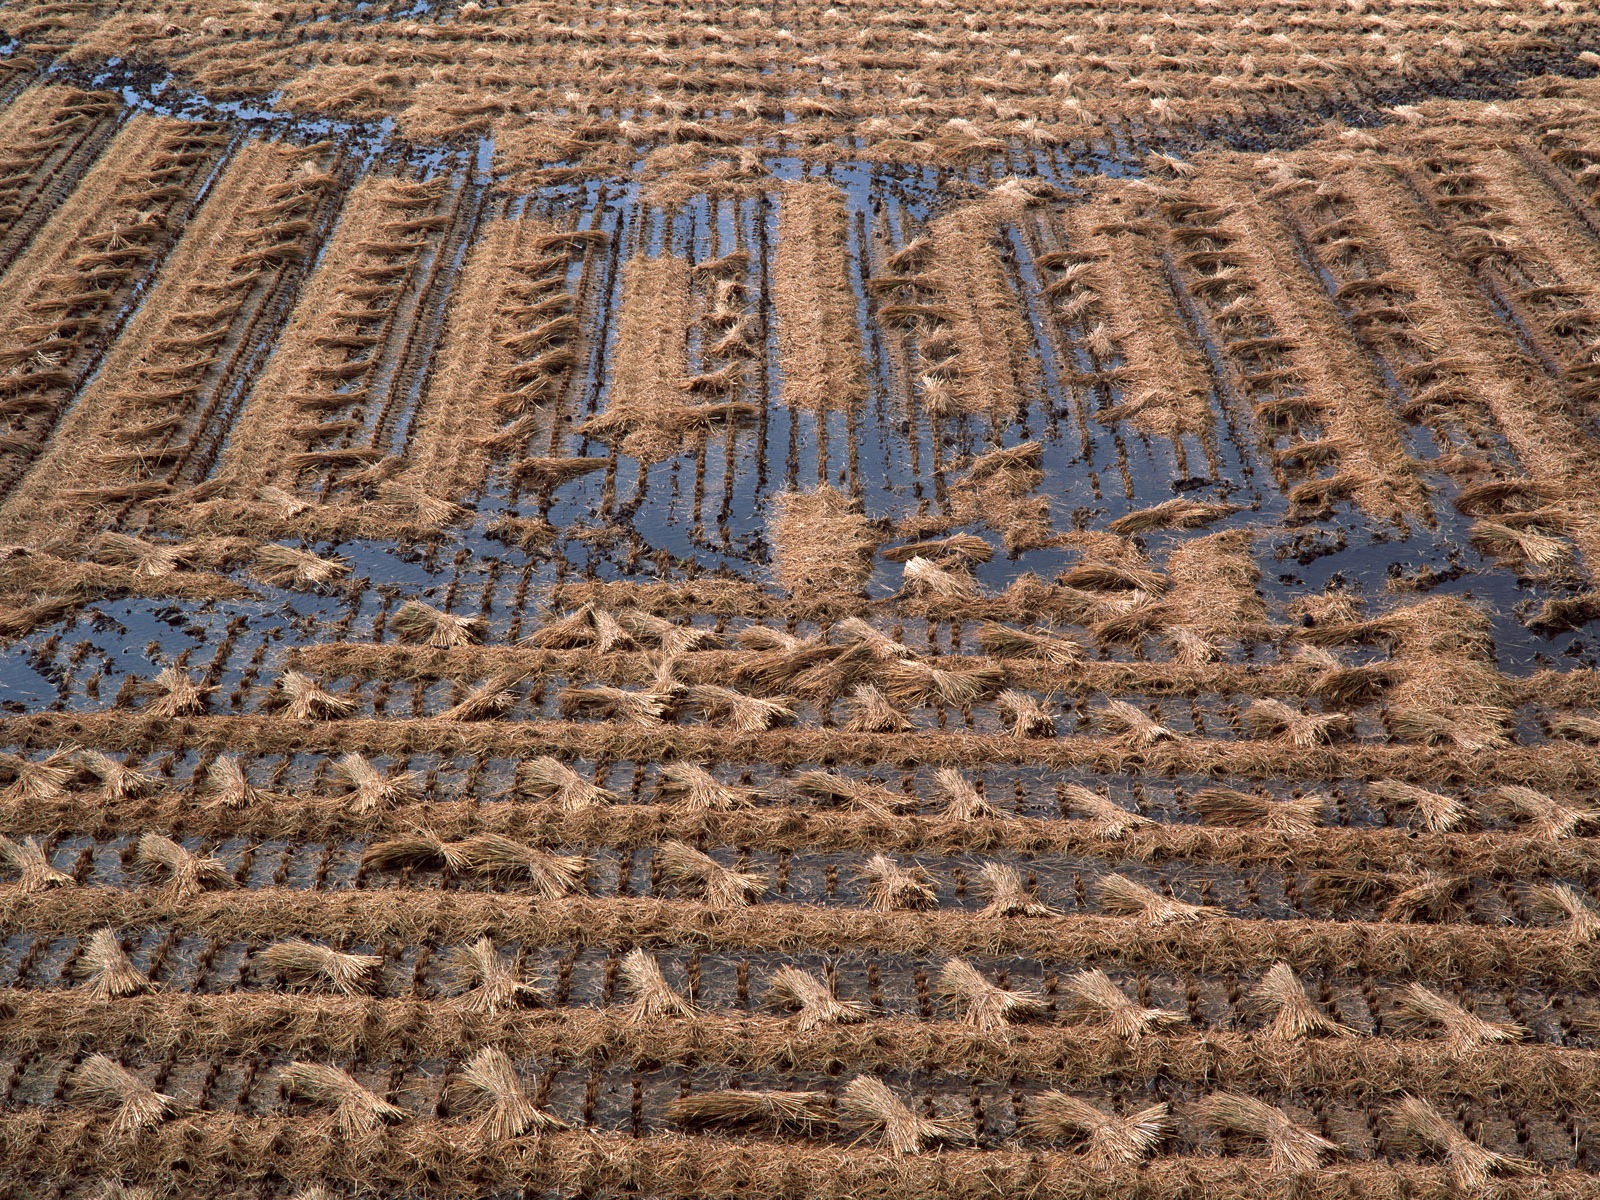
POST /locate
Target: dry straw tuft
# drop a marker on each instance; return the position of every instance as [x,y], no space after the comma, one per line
[800,1111]
[287,566]
[1179,513]
[962,799]
[185,872]
[174,694]
[105,1083]
[228,785]
[612,703]
[371,790]
[1434,811]
[872,712]
[890,886]
[490,1088]
[585,628]
[653,997]
[1469,1164]
[322,968]
[1025,715]
[150,560]
[1274,718]
[305,700]
[812,1000]
[485,982]
[547,778]
[34,780]
[1462,1030]
[1122,897]
[117,780]
[1292,1147]
[695,873]
[1542,816]
[1222,806]
[1294,1016]
[32,865]
[358,1110]
[419,622]
[1108,1141]
[107,971]
[485,702]
[1134,726]
[1565,904]
[982,1004]
[496,856]
[1093,997]
[1002,883]
[1002,641]
[924,577]
[1110,819]
[859,794]
[742,713]
[915,682]
[647,629]
[692,788]
[419,850]
[866,1103]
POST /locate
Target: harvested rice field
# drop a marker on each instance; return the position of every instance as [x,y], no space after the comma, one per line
[900,601]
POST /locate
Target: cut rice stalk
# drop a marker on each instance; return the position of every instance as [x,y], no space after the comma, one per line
[653,997]
[1002,641]
[962,800]
[1294,1016]
[692,788]
[305,699]
[28,859]
[185,872]
[107,970]
[741,713]
[373,790]
[1222,806]
[496,856]
[357,1110]
[812,1000]
[1135,726]
[1008,897]
[1462,1030]
[867,1104]
[889,886]
[1122,897]
[419,622]
[486,983]
[1545,817]
[1570,907]
[803,1112]
[321,968]
[490,1089]
[1025,715]
[1094,998]
[695,873]
[1110,819]
[1469,1164]
[1292,1147]
[982,1004]
[1108,1141]
[547,778]
[105,1083]
[1433,811]
[860,794]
